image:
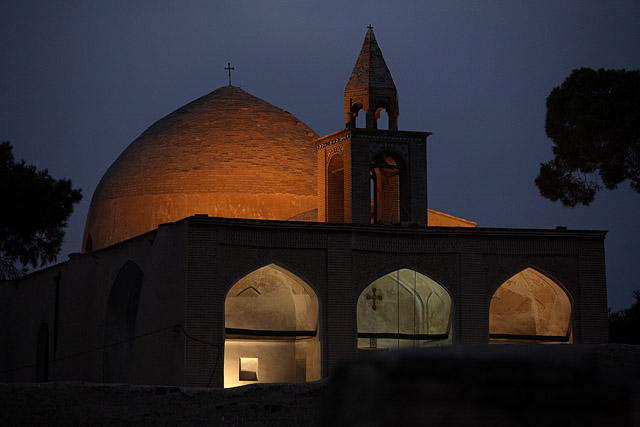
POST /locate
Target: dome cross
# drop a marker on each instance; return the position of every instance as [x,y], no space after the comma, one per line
[229,67]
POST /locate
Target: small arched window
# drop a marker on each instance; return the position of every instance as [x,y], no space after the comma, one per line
[355,112]
[382,118]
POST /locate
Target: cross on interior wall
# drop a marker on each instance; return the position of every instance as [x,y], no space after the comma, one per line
[374,297]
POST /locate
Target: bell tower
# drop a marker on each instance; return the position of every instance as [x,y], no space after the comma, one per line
[368,175]
[370,88]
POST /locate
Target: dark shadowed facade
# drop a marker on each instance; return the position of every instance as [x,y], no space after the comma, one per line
[228,245]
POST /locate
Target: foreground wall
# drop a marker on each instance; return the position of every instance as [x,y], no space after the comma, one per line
[72,301]
[339,261]
[456,386]
[184,271]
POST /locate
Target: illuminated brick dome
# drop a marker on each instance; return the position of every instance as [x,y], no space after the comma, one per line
[226,154]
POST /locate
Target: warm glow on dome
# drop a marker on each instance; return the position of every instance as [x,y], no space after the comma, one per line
[226,154]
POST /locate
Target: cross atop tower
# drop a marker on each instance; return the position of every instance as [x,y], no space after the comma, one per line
[370,27]
[229,67]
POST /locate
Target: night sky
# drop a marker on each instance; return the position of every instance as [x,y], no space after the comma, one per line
[80,80]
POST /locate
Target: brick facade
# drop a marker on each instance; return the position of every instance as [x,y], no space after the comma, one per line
[189,266]
[340,261]
[229,154]
[358,148]
[216,156]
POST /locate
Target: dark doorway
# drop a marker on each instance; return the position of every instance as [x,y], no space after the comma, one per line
[42,354]
[120,324]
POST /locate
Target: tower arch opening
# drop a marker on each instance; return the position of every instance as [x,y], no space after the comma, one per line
[271,329]
[403,309]
[354,112]
[382,118]
[530,307]
[389,188]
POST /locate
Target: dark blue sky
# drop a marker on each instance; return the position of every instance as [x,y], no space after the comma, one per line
[81,80]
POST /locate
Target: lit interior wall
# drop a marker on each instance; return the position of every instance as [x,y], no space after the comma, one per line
[530,307]
[272,316]
[411,310]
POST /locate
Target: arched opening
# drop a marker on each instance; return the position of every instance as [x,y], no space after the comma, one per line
[271,329]
[355,112]
[382,118]
[389,188]
[403,309]
[335,189]
[88,247]
[42,354]
[120,324]
[530,307]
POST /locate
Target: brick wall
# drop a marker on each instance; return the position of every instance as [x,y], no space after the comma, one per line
[357,148]
[339,261]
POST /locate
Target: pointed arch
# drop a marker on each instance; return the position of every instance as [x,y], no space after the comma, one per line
[352,115]
[530,307]
[403,308]
[120,323]
[271,329]
[382,111]
[389,188]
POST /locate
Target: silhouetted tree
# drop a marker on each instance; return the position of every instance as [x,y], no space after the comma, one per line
[624,325]
[593,119]
[34,213]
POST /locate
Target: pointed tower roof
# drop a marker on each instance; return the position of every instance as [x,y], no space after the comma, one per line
[370,70]
[370,87]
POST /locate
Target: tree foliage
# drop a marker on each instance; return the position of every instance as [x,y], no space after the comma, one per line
[624,325]
[33,216]
[593,119]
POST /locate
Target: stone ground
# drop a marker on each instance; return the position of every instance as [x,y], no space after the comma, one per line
[455,386]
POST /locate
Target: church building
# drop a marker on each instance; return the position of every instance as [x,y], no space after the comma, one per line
[229,244]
